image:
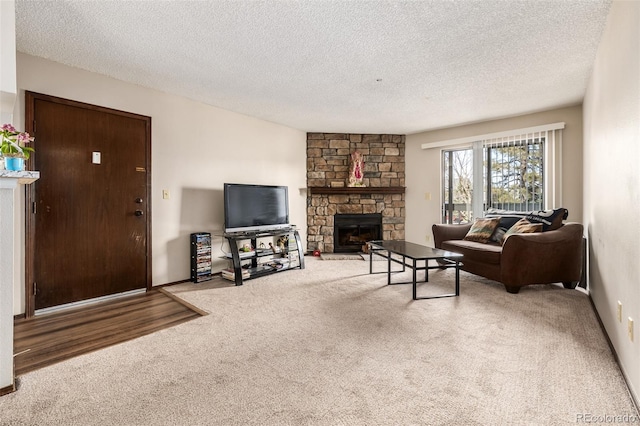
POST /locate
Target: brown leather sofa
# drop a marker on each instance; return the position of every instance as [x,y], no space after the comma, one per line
[537,258]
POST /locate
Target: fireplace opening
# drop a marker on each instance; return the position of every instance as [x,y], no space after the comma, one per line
[352,231]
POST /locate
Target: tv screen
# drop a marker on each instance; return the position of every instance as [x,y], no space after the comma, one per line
[255,207]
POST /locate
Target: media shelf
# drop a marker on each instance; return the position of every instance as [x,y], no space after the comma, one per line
[290,256]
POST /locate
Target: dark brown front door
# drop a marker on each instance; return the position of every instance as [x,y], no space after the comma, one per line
[88,228]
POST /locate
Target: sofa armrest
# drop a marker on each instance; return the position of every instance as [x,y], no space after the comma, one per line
[543,258]
[445,232]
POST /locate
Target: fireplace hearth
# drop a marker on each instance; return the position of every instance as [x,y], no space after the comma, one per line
[352,231]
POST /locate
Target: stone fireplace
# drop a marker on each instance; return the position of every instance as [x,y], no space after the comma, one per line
[329,197]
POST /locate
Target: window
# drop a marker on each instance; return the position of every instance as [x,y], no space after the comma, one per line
[514,174]
[458,185]
[511,170]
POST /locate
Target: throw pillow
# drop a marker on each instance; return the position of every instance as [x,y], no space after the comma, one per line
[550,219]
[498,235]
[482,229]
[523,226]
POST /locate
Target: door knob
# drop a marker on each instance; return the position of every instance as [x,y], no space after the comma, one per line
[139,213]
[139,200]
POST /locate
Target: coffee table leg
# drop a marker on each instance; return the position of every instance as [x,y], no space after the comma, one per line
[388,268]
[415,295]
[457,278]
[426,271]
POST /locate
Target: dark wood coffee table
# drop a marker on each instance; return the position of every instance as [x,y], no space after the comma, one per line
[414,253]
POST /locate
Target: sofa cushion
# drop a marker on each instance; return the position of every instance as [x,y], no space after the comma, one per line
[482,229]
[478,252]
[550,219]
[498,235]
[523,226]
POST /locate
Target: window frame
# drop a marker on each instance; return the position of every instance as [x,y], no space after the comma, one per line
[553,185]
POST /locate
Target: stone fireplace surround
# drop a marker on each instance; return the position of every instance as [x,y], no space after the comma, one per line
[328,160]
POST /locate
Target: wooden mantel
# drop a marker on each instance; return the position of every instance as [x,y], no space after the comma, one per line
[327,190]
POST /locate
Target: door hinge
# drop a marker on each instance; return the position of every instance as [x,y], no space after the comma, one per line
[34,207]
[35,288]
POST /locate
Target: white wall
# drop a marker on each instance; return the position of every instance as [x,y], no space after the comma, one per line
[195,149]
[8,244]
[423,166]
[612,182]
[7,60]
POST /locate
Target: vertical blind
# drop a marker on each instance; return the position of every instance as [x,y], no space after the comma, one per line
[519,171]
[514,170]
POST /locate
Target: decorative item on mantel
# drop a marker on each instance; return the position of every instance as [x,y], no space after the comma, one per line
[13,147]
[357,170]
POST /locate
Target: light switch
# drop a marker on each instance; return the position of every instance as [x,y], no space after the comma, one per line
[165,194]
[96,157]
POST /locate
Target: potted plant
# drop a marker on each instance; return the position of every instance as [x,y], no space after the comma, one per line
[13,147]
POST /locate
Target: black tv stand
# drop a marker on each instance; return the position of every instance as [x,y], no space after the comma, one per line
[292,257]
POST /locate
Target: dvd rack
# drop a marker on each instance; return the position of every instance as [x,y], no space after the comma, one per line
[201,257]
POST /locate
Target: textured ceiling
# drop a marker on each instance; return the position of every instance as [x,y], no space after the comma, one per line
[333,66]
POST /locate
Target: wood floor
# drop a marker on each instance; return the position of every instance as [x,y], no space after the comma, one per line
[44,340]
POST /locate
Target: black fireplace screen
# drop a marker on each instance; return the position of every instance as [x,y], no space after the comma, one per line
[352,231]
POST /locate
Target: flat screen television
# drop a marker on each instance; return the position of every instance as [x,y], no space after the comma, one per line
[255,207]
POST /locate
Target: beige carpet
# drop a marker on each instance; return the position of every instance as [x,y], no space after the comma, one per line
[332,345]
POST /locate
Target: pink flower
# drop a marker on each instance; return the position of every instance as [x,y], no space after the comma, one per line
[12,142]
[24,137]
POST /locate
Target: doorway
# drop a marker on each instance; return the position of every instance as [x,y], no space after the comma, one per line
[88,219]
